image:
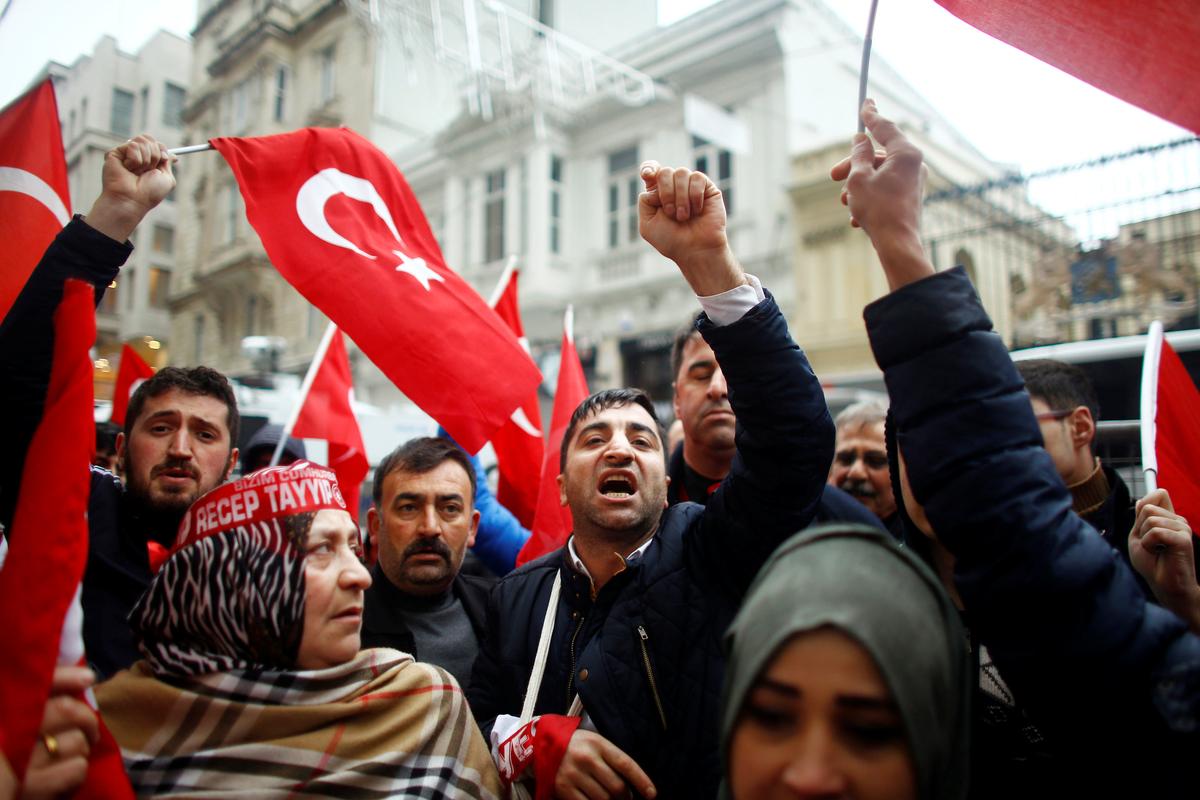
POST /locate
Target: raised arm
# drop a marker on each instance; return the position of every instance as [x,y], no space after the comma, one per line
[136,177]
[1062,617]
[784,432]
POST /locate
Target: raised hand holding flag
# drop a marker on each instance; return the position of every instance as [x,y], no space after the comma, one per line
[341,224]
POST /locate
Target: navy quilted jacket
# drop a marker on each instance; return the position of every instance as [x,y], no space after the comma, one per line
[1100,670]
[646,654]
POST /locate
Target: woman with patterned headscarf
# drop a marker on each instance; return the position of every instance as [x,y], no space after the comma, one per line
[252,681]
[848,676]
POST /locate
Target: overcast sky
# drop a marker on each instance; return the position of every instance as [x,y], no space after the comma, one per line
[1014,108]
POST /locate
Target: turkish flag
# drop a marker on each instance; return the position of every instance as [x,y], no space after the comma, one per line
[1144,53]
[328,413]
[34,195]
[552,523]
[1177,436]
[132,371]
[341,224]
[47,551]
[518,444]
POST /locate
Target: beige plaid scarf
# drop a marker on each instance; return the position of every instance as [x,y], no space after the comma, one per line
[381,725]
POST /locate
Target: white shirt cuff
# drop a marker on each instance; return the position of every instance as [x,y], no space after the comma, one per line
[728,307]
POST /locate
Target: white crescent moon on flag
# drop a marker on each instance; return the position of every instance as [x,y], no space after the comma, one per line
[19,180]
[310,206]
[521,421]
[315,193]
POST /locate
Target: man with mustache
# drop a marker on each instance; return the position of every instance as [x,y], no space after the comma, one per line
[702,461]
[860,464]
[180,428]
[421,524]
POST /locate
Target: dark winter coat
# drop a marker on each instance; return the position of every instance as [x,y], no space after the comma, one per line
[1098,669]
[118,568]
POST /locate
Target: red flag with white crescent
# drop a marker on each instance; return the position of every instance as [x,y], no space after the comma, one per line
[518,444]
[1177,436]
[47,553]
[328,413]
[130,374]
[552,523]
[341,224]
[35,200]
[1144,53]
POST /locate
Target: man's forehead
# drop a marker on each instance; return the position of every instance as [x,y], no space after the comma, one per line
[696,349]
[448,477]
[187,404]
[619,417]
[872,432]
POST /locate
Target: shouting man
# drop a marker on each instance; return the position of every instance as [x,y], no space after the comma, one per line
[628,697]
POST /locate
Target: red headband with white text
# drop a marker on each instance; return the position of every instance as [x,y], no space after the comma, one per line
[259,497]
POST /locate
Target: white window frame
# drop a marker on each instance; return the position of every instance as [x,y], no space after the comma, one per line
[621,198]
[494,183]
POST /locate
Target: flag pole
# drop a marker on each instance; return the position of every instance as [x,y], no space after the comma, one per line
[191,148]
[510,267]
[1149,405]
[865,66]
[310,376]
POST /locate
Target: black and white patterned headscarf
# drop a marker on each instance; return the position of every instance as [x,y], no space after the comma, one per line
[231,595]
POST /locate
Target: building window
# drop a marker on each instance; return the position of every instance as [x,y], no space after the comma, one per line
[279,98]
[467,226]
[624,186]
[556,192]
[108,303]
[145,116]
[717,164]
[198,339]
[493,216]
[71,129]
[164,239]
[174,100]
[83,119]
[233,211]
[240,107]
[122,113]
[251,315]
[326,75]
[130,275]
[160,287]
[311,324]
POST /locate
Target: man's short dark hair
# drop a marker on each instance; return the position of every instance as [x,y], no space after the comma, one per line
[419,456]
[1060,385]
[682,337]
[602,401]
[204,381]
[106,437]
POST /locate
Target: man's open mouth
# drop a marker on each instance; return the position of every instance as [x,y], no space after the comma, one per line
[618,487]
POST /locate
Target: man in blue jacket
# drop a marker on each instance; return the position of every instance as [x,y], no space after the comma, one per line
[647,591]
[1098,667]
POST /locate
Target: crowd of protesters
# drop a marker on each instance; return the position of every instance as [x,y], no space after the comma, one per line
[947,597]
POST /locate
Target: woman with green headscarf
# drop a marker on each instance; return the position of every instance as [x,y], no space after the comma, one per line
[848,675]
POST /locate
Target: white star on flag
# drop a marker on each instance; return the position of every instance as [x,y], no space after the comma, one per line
[417,268]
